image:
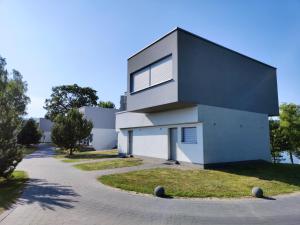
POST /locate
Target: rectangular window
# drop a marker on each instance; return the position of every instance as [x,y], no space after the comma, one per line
[161,71]
[189,135]
[154,74]
[140,80]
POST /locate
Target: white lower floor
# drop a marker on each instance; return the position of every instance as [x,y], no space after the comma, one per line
[213,135]
[163,142]
[46,137]
[103,139]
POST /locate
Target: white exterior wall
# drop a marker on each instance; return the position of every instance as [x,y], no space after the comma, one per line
[151,142]
[104,138]
[154,142]
[234,135]
[178,116]
[123,141]
[150,134]
[104,132]
[46,137]
[45,127]
[223,135]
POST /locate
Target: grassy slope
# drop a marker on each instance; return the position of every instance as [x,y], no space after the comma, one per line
[110,164]
[11,190]
[235,181]
[89,155]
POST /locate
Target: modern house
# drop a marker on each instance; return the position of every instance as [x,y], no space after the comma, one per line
[45,127]
[191,100]
[103,135]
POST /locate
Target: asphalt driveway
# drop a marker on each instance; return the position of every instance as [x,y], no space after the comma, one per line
[60,194]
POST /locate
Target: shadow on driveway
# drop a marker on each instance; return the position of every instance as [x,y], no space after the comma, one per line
[48,195]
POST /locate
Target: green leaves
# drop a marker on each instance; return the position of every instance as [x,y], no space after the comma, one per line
[107,104]
[66,97]
[13,101]
[68,130]
[290,124]
[29,133]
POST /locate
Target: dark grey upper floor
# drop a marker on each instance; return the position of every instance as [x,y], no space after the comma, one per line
[182,69]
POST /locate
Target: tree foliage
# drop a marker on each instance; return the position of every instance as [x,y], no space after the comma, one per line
[107,104]
[29,134]
[278,140]
[13,101]
[68,130]
[290,125]
[66,97]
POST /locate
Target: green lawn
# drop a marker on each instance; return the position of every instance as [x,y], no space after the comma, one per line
[234,181]
[110,164]
[10,190]
[29,150]
[88,155]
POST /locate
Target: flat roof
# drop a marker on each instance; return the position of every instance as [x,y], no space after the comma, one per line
[197,36]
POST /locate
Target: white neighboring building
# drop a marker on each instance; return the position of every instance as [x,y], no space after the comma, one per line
[104,135]
[45,127]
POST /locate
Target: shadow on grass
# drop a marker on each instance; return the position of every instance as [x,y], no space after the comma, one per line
[10,190]
[286,173]
[48,195]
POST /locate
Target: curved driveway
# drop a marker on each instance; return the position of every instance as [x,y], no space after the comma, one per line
[60,194]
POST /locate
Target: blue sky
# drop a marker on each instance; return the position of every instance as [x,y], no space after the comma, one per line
[88,42]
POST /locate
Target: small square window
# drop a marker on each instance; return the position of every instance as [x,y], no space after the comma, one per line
[189,135]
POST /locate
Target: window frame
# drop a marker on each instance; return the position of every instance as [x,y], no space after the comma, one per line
[131,78]
[182,135]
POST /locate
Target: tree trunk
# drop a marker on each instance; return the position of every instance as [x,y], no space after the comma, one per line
[274,159]
[71,151]
[291,157]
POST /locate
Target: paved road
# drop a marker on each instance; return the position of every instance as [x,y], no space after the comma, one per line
[59,194]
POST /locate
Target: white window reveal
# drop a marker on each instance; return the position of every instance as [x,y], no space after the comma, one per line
[154,74]
[189,135]
[141,79]
[161,71]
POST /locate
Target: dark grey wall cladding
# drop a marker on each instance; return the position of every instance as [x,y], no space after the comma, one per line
[212,75]
[160,94]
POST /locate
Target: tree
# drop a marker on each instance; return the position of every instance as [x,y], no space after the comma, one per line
[278,140]
[107,104]
[66,97]
[13,101]
[29,134]
[68,130]
[290,125]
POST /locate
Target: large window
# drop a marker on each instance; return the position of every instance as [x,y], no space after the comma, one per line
[189,135]
[156,73]
[140,80]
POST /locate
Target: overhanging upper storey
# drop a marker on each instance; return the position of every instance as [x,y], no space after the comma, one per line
[182,69]
[152,76]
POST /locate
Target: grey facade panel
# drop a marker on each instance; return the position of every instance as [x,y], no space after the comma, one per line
[160,94]
[210,74]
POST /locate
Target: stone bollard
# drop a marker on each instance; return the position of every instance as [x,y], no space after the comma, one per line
[159,191]
[257,192]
